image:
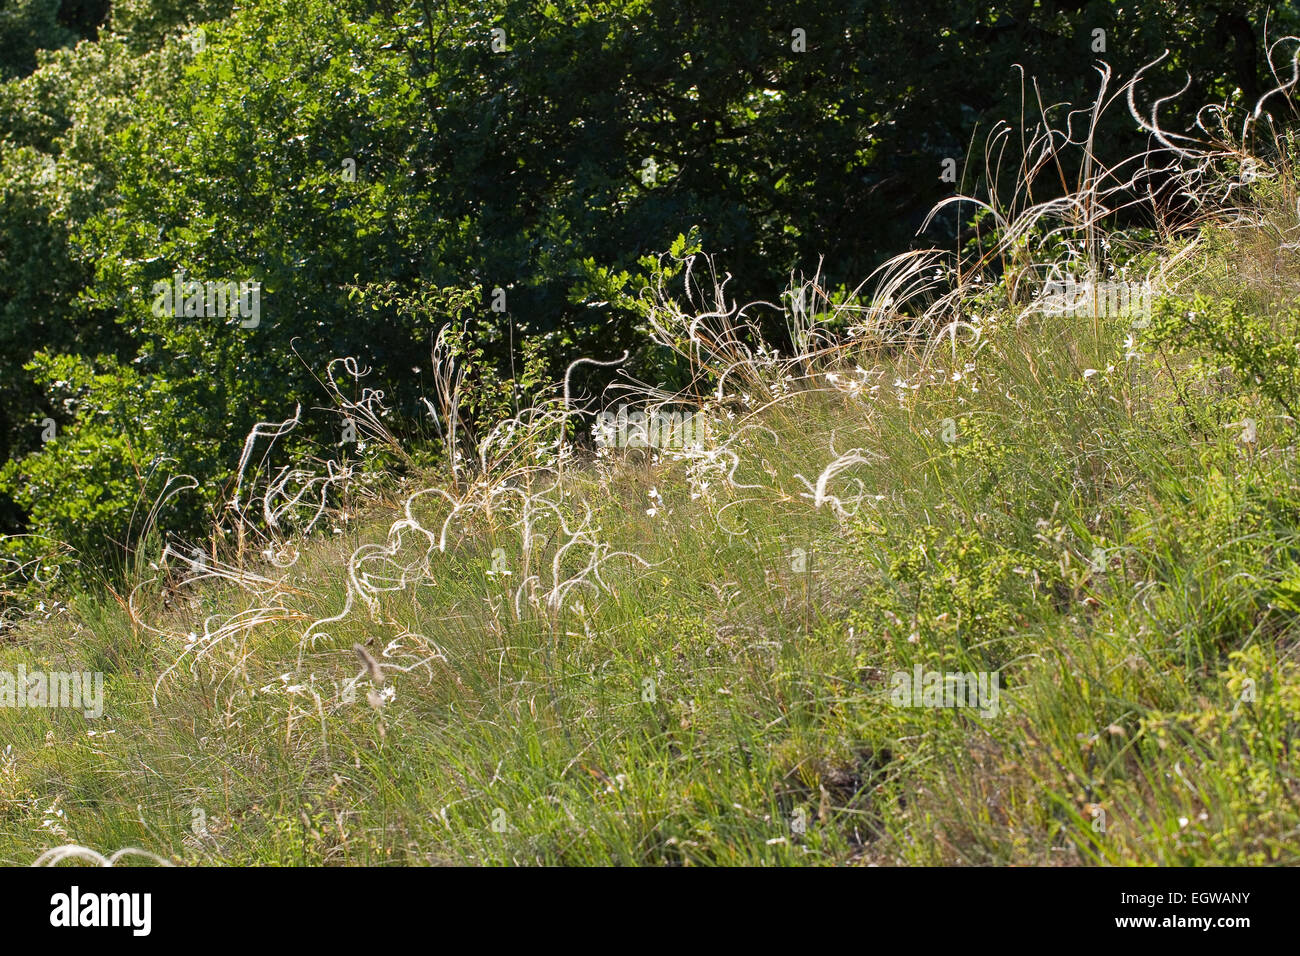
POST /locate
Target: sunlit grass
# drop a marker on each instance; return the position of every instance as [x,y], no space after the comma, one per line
[686,656]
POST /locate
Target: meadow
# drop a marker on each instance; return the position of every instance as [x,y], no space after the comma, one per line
[690,652]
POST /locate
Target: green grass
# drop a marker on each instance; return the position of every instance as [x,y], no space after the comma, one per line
[699,669]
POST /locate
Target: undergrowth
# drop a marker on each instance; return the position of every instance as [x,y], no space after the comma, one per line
[555,654]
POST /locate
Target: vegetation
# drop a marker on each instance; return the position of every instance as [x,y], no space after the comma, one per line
[364,589]
[518,160]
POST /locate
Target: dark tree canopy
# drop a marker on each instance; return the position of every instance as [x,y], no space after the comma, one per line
[363,161]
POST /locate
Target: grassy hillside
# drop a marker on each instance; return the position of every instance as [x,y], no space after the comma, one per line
[693,655]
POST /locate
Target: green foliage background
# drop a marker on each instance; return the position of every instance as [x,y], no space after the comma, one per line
[138,138]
